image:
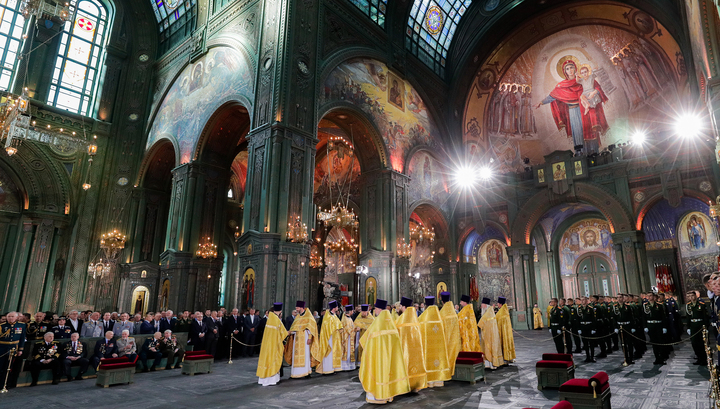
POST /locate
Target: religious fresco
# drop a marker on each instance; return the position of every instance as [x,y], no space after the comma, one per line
[392,103]
[584,87]
[698,248]
[553,217]
[239,175]
[248,289]
[193,97]
[337,169]
[10,197]
[427,180]
[370,291]
[585,236]
[493,278]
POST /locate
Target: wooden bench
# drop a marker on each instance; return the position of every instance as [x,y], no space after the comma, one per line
[593,393]
[469,367]
[554,370]
[113,371]
[197,362]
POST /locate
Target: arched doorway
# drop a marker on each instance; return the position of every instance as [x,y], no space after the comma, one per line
[140,298]
[594,272]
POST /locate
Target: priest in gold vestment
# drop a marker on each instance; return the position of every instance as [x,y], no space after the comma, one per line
[469,337]
[411,340]
[434,344]
[302,351]
[362,323]
[347,338]
[452,329]
[537,318]
[492,344]
[382,370]
[330,343]
[505,327]
[271,350]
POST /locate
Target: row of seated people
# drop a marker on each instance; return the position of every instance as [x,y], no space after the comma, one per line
[59,357]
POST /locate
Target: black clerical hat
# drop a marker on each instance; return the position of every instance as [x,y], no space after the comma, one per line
[445,296]
[429,301]
[465,298]
[405,302]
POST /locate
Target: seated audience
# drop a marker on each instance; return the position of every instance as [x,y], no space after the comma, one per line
[75,354]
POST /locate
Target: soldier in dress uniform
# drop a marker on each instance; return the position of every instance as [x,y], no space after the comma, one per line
[697,319]
[75,353]
[37,329]
[588,322]
[613,340]
[606,330]
[656,324]
[559,319]
[601,329]
[62,331]
[12,335]
[574,323]
[46,355]
[640,345]
[625,325]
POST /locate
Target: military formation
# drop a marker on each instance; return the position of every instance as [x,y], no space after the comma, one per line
[627,323]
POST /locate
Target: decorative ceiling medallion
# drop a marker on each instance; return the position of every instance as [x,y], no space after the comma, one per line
[133,117]
[143,57]
[705,186]
[491,5]
[122,181]
[434,20]
[302,66]
[639,196]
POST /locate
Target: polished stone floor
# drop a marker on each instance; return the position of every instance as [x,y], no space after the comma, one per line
[641,386]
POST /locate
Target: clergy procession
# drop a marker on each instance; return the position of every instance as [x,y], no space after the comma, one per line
[397,349]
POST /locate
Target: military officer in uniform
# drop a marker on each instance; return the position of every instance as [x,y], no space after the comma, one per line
[697,319]
[624,325]
[46,355]
[12,335]
[588,321]
[559,319]
[640,345]
[75,353]
[575,323]
[62,331]
[601,329]
[37,329]
[656,323]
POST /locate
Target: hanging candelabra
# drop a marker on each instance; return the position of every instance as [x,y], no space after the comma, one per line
[207,250]
[297,231]
[99,268]
[346,251]
[421,233]
[404,250]
[112,243]
[316,260]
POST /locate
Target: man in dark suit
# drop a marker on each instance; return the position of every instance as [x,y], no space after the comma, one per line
[105,348]
[261,329]
[151,349]
[167,322]
[211,337]
[232,324]
[107,323]
[74,321]
[147,326]
[288,321]
[75,354]
[198,330]
[251,324]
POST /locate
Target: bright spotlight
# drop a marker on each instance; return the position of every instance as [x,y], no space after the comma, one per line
[638,138]
[688,125]
[485,173]
[465,177]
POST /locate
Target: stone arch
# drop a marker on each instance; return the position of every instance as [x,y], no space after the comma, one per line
[231,110]
[617,214]
[150,154]
[651,202]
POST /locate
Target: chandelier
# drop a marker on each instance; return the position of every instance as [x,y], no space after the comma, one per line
[404,250]
[112,243]
[420,233]
[339,216]
[297,231]
[207,250]
[43,10]
[99,268]
[715,208]
[347,250]
[316,260]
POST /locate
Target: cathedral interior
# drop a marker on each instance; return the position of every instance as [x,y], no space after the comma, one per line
[197,154]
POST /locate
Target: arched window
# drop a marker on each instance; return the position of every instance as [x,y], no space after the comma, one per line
[12,26]
[75,76]
[176,21]
[375,9]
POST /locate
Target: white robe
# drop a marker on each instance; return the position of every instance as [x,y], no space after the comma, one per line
[303,370]
[273,380]
[347,364]
[327,362]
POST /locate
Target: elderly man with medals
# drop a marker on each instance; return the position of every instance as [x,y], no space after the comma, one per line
[383,374]
[469,337]
[452,329]
[505,327]
[269,368]
[302,350]
[411,340]
[362,323]
[330,343]
[492,345]
[434,344]
[347,334]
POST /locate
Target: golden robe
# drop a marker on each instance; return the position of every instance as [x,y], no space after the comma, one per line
[547,313]
[506,335]
[395,315]
[411,340]
[297,348]
[363,323]
[434,343]
[452,333]
[331,327]
[271,349]
[347,334]
[537,318]
[469,337]
[382,372]
[492,345]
